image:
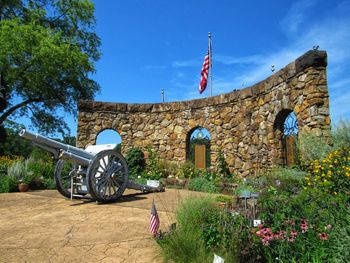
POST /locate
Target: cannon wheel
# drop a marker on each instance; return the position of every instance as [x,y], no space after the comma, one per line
[107,176]
[63,178]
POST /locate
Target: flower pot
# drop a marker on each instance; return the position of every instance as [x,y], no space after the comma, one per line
[22,187]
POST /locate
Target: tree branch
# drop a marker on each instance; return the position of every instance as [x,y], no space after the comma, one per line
[7,113]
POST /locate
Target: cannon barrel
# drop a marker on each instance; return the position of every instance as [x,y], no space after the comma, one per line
[55,146]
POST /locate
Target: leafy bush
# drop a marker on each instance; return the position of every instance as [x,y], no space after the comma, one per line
[311,147]
[17,170]
[154,171]
[188,170]
[136,162]
[8,184]
[6,161]
[332,174]
[341,134]
[201,184]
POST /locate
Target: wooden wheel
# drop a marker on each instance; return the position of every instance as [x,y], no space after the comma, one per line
[107,176]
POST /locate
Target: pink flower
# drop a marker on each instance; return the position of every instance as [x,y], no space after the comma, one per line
[282,234]
[294,233]
[323,236]
[291,239]
[304,227]
[260,226]
[289,222]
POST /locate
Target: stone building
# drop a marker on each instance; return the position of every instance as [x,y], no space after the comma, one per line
[247,124]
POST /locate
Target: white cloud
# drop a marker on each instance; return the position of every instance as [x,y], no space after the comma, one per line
[296,16]
[228,60]
[186,63]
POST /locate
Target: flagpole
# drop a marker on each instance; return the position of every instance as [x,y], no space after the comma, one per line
[210,65]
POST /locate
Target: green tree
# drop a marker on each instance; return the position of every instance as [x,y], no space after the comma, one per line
[47,54]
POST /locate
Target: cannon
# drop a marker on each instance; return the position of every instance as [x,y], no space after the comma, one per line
[99,172]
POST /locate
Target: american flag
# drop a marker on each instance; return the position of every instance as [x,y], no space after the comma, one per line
[204,73]
[154,220]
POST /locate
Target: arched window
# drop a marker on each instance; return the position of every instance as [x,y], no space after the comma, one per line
[109,136]
[198,147]
[286,128]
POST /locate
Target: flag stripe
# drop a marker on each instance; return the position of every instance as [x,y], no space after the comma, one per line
[154,220]
[204,74]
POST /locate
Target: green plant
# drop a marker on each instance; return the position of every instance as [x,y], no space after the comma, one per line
[222,166]
[185,243]
[8,184]
[311,147]
[299,225]
[341,134]
[135,159]
[332,174]
[6,161]
[17,170]
[188,170]
[153,171]
[201,184]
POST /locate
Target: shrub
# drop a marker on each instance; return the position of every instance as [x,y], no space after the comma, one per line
[154,171]
[332,174]
[311,147]
[6,161]
[17,170]
[201,184]
[341,134]
[188,170]
[136,162]
[8,184]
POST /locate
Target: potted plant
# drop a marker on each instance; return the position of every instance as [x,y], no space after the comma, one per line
[23,185]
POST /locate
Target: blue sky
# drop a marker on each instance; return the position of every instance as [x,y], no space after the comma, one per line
[148,45]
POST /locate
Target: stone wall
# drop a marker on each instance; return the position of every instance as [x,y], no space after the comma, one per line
[245,124]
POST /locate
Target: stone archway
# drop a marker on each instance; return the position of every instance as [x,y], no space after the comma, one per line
[198,147]
[286,131]
[109,136]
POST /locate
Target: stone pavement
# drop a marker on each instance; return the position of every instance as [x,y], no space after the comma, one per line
[43,226]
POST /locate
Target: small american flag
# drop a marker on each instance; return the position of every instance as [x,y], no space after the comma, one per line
[204,73]
[154,220]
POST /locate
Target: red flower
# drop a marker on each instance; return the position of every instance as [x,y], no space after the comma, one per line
[323,236]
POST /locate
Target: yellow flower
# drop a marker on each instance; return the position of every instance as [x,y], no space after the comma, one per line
[335,193]
[308,183]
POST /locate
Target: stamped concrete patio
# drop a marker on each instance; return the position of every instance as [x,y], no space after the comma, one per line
[42,226]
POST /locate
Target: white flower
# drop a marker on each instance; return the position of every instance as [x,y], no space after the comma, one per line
[138,177]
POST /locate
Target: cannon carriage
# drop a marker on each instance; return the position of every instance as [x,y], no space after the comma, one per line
[99,172]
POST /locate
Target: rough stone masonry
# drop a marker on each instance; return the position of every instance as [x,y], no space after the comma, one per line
[246,124]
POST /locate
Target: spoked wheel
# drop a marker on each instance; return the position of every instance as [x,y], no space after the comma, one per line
[107,176]
[63,173]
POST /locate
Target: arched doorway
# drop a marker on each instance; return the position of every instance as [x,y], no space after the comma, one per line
[198,147]
[109,136]
[286,128]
